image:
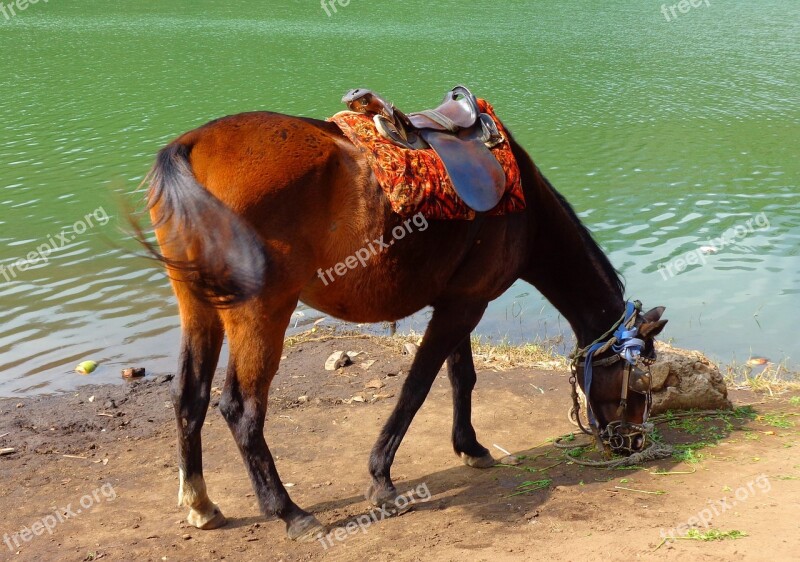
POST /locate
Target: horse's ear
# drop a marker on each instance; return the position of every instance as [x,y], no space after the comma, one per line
[652,329]
[654,314]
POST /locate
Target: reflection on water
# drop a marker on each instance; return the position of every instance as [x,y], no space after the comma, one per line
[664,136]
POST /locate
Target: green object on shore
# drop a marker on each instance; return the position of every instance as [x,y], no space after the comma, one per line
[86,368]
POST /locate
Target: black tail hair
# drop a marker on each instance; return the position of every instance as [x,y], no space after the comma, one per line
[221,254]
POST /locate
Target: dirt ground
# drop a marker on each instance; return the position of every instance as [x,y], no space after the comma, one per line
[105,458]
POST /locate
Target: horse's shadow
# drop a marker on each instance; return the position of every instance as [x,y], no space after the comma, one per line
[504,492]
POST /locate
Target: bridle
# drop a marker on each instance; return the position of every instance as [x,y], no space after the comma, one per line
[622,340]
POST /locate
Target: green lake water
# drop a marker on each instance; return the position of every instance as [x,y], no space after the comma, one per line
[663,134]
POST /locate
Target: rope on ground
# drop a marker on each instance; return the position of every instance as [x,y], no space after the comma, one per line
[655,451]
[661,418]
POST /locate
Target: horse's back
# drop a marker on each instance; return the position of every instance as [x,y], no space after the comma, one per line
[243,159]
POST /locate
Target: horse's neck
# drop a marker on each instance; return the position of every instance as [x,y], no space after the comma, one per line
[567,269]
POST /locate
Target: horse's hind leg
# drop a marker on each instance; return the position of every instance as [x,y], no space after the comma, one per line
[200,346]
[461,372]
[255,334]
[449,325]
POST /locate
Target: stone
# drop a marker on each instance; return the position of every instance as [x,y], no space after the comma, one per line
[687,380]
[133,372]
[337,360]
[659,373]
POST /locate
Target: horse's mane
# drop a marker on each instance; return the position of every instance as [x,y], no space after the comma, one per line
[592,246]
[527,166]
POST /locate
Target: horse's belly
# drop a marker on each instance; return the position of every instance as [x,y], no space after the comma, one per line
[369,295]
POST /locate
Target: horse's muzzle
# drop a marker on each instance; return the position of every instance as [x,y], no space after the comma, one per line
[625,438]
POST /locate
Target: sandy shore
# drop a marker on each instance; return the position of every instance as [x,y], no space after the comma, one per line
[115,446]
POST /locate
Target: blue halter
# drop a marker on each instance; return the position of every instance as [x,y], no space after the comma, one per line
[626,344]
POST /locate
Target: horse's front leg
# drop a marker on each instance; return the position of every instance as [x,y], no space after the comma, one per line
[451,323]
[461,372]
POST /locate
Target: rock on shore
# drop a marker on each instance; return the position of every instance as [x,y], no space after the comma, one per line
[685,380]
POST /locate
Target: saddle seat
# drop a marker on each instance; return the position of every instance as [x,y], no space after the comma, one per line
[456,130]
[453,114]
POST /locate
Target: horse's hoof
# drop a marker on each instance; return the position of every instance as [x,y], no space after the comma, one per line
[486,461]
[388,500]
[382,496]
[306,529]
[212,519]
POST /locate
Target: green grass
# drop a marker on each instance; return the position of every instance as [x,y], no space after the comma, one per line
[531,486]
[777,420]
[706,536]
[688,453]
[691,426]
[709,429]
[712,535]
[742,413]
[794,400]
[506,354]
[578,452]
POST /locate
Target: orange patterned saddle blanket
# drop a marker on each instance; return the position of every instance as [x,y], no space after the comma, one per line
[415,181]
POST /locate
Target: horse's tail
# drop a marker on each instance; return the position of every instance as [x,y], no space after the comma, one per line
[215,250]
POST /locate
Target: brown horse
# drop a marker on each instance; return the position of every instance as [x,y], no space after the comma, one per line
[253,213]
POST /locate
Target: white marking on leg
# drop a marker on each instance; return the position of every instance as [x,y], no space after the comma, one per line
[202,511]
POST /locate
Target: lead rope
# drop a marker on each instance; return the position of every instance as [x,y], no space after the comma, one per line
[657,449]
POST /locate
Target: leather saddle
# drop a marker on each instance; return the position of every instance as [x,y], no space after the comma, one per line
[457,130]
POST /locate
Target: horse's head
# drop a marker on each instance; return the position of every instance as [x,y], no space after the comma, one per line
[614,373]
